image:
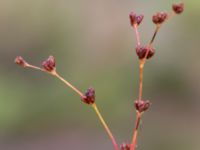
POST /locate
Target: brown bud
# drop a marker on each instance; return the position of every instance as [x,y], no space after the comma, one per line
[135,19]
[125,146]
[142,50]
[141,105]
[89,97]
[178,8]
[49,64]
[159,17]
[20,61]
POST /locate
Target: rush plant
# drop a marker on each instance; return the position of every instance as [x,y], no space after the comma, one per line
[144,53]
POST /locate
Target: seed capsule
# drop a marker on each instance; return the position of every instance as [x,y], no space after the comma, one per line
[20,61]
[142,50]
[141,105]
[159,17]
[89,97]
[135,19]
[178,8]
[49,64]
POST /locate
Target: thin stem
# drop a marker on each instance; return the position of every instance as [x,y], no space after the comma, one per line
[142,63]
[94,106]
[141,79]
[69,85]
[170,15]
[54,73]
[35,67]
[154,35]
[134,140]
[135,26]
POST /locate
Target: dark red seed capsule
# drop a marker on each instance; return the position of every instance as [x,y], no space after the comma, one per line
[178,8]
[49,64]
[20,61]
[141,105]
[159,17]
[142,50]
[135,19]
[89,97]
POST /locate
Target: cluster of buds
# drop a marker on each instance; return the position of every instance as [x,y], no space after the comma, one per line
[89,96]
[135,19]
[178,8]
[159,17]
[141,105]
[49,64]
[20,61]
[142,51]
[125,146]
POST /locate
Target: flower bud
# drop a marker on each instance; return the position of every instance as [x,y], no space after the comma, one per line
[142,50]
[159,17]
[49,64]
[141,105]
[89,97]
[125,146]
[135,19]
[20,61]
[178,8]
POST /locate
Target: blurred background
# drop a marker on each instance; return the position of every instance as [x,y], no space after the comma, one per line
[93,44]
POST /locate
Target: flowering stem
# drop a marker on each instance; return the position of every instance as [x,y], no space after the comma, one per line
[134,140]
[170,15]
[135,26]
[142,63]
[94,106]
[138,115]
[54,73]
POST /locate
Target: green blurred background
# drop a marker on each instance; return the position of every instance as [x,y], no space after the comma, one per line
[93,44]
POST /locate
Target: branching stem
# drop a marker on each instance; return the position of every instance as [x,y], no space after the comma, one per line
[94,106]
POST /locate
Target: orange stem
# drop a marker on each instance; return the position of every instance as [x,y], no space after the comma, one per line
[134,140]
[141,79]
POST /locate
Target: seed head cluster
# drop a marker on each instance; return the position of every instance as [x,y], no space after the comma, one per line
[49,64]
[141,105]
[89,97]
[159,17]
[141,51]
[178,8]
[135,19]
[20,61]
